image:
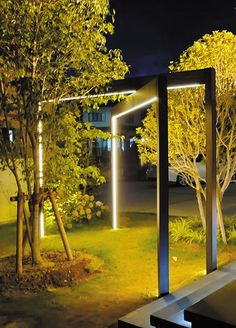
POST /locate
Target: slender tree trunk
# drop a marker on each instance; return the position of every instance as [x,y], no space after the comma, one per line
[220,219]
[201,208]
[30,216]
[60,226]
[19,237]
[27,234]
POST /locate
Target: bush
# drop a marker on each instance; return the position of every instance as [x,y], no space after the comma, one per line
[188,230]
[77,208]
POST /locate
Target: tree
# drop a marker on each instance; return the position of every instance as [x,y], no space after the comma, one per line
[48,50]
[187,118]
[70,164]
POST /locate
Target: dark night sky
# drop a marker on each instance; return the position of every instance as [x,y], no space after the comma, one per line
[151,33]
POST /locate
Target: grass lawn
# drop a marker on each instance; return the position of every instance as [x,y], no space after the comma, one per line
[129,278]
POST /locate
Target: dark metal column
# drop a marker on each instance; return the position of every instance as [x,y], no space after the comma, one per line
[211,216]
[162,187]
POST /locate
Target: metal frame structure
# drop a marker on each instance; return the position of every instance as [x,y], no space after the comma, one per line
[155,92]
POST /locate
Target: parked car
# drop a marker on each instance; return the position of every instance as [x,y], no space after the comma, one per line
[174,175]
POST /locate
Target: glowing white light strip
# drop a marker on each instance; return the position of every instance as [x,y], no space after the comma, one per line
[124,92]
[145,103]
[40,130]
[195,85]
[114,173]
[114,149]
[115,159]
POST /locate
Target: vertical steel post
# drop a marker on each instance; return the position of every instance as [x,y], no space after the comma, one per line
[211,216]
[162,187]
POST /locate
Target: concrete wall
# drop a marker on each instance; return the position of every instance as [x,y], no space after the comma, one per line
[8,188]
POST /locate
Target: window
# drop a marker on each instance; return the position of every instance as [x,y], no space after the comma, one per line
[96,117]
[8,135]
[11,135]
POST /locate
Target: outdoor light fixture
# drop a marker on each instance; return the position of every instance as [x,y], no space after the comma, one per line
[108,94]
[114,172]
[115,157]
[184,86]
[115,146]
[142,105]
[40,130]
[156,91]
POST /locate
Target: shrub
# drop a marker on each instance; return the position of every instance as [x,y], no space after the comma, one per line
[179,229]
[188,230]
[76,208]
[232,236]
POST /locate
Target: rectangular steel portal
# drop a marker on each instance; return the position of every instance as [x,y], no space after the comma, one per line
[155,92]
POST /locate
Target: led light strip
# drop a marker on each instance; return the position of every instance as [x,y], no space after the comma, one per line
[40,129]
[114,173]
[115,158]
[114,149]
[108,94]
[132,109]
[184,86]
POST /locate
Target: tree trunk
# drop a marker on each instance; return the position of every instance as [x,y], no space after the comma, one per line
[220,219]
[27,234]
[19,236]
[30,220]
[60,226]
[201,208]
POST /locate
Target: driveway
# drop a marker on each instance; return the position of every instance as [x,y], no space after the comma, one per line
[140,196]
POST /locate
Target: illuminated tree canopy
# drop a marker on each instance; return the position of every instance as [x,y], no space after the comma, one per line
[187,113]
[49,50]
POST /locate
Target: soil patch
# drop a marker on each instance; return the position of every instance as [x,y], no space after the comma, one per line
[55,271]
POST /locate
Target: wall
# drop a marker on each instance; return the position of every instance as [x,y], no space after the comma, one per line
[7,189]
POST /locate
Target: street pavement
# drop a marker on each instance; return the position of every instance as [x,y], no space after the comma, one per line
[140,196]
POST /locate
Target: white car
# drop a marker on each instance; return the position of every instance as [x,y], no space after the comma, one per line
[174,175]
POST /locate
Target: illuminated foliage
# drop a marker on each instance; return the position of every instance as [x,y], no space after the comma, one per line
[75,208]
[187,117]
[49,50]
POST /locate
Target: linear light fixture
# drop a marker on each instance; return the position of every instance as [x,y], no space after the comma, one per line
[132,109]
[40,129]
[114,173]
[184,86]
[108,94]
[114,147]
[115,158]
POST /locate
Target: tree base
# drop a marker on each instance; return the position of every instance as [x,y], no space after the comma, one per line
[55,271]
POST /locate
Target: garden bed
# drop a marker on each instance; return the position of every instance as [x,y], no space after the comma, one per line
[54,272]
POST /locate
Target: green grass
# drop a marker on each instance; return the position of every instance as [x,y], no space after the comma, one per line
[129,278]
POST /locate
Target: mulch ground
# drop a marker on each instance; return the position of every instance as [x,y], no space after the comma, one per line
[55,271]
